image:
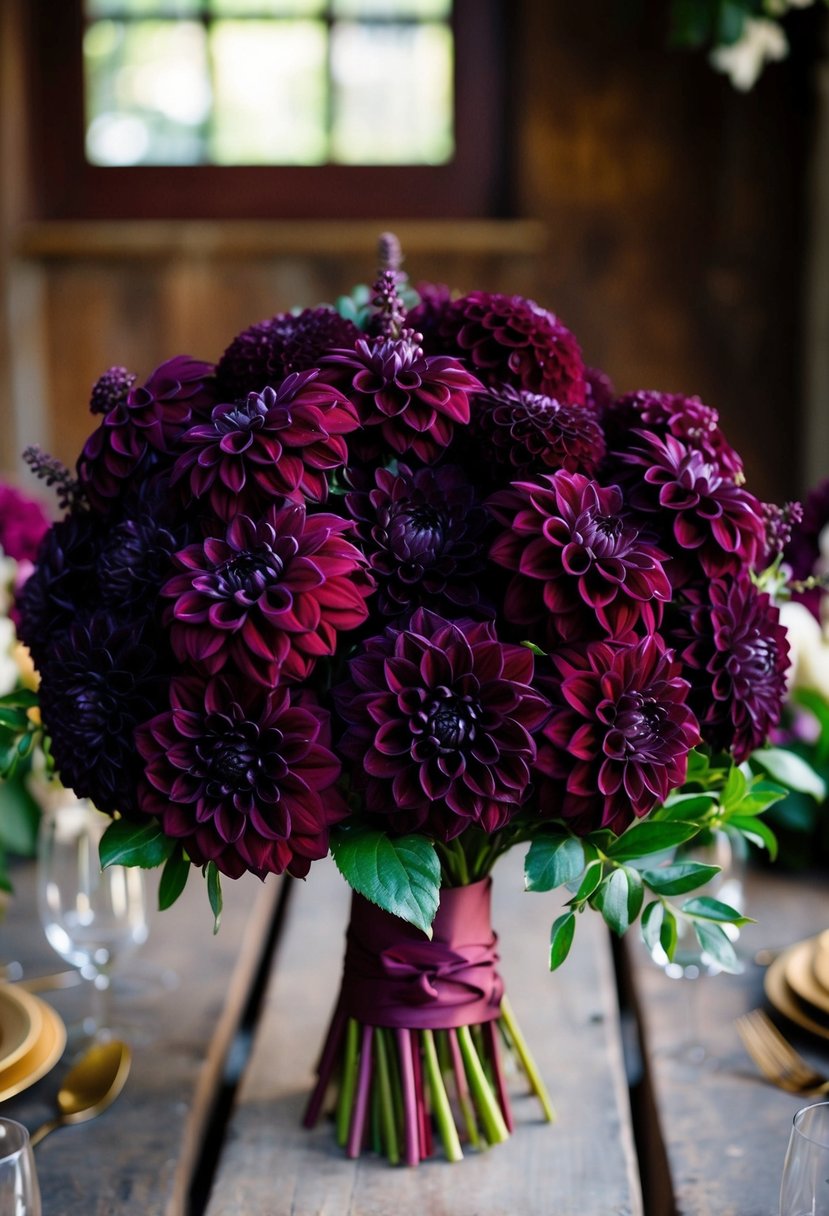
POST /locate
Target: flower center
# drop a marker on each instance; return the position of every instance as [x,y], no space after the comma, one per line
[451,721]
[231,766]
[426,518]
[637,725]
[246,571]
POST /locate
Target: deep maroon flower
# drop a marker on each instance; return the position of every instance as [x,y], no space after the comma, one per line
[422,532]
[441,718]
[521,433]
[687,419]
[140,431]
[427,315]
[63,584]
[803,553]
[618,740]
[111,389]
[264,354]
[416,401]
[737,663]
[510,340]
[579,561]
[137,556]
[710,516]
[241,777]
[98,681]
[23,524]
[275,444]
[267,598]
[599,392]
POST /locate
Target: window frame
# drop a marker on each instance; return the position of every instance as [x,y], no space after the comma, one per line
[66,186]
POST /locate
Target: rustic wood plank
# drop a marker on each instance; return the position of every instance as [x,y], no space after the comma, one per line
[724,1129]
[138,1158]
[583,1164]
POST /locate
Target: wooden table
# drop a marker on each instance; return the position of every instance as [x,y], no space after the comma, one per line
[634,1113]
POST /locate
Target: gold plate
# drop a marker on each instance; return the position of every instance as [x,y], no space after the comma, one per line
[43,1056]
[820,962]
[782,997]
[800,977]
[21,1022]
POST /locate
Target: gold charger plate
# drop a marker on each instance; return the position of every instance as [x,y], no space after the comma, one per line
[43,1056]
[781,996]
[800,976]
[21,1022]
[820,962]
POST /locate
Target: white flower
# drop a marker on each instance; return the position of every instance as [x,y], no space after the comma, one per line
[809,649]
[9,671]
[762,41]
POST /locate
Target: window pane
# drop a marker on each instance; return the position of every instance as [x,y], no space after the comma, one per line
[147,92]
[270,82]
[392,94]
[264,8]
[423,9]
[142,8]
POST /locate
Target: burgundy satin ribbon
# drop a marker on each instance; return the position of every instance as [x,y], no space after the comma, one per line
[394,976]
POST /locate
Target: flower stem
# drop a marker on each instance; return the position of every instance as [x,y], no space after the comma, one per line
[356,1131]
[527,1062]
[495,1129]
[494,1053]
[440,1102]
[384,1089]
[462,1089]
[407,1083]
[349,1079]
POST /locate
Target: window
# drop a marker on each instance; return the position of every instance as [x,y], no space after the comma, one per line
[266,108]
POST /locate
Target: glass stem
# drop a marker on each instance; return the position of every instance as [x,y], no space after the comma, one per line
[101,1004]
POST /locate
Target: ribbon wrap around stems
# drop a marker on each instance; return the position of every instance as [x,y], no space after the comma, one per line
[394,976]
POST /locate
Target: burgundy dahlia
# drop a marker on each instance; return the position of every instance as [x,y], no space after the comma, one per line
[241,777]
[273,445]
[422,533]
[522,433]
[510,340]
[427,315]
[267,598]
[137,556]
[579,562]
[415,401]
[803,552]
[98,681]
[23,524]
[264,354]
[441,717]
[709,516]
[687,419]
[598,391]
[63,583]
[141,429]
[618,740]
[737,664]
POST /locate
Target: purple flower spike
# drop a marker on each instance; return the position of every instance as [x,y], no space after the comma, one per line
[265,354]
[441,718]
[618,741]
[415,401]
[579,561]
[241,777]
[276,444]
[422,532]
[267,598]
[522,433]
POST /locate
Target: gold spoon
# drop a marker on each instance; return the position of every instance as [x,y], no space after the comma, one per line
[89,1087]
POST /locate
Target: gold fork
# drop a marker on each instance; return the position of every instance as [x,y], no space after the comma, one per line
[777,1059]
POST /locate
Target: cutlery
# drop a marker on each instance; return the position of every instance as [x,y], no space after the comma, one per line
[89,1086]
[777,1059]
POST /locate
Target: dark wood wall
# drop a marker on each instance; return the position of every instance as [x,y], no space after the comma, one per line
[669,235]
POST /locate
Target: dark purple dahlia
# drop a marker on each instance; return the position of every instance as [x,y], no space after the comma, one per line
[264,354]
[137,556]
[708,515]
[267,598]
[63,583]
[274,445]
[521,433]
[98,681]
[803,551]
[618,740]
[687,419]
[599,392]
[427,315]
[511,340]
[441,717]
[140,431]
[422,533]
[580,563]
[23,524]
[241,777]
[737,662]
[414,400]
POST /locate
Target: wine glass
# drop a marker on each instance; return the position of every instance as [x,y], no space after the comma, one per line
[805,1187]
[19,1191]
[91,917]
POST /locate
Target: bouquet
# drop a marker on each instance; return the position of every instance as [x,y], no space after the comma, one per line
[404,579]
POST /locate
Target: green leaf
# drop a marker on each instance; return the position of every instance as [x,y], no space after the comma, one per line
[690,807]
[760,797]
[650,837]
[715,942]
[790,770]
[21,698]
[552,861]
[678,878]
[706,908]
[755,830]
[619,899]
[214,893]
[735,789]
[561,938]
[667,931]
[400,874]
[536,650]
[125,843]
[730,21]
[173,879]
[589,883]
[652,924]
[19,819]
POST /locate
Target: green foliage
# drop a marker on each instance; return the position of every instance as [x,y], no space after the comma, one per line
[125,843]
[214,893]
[173,878]
[400,874]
